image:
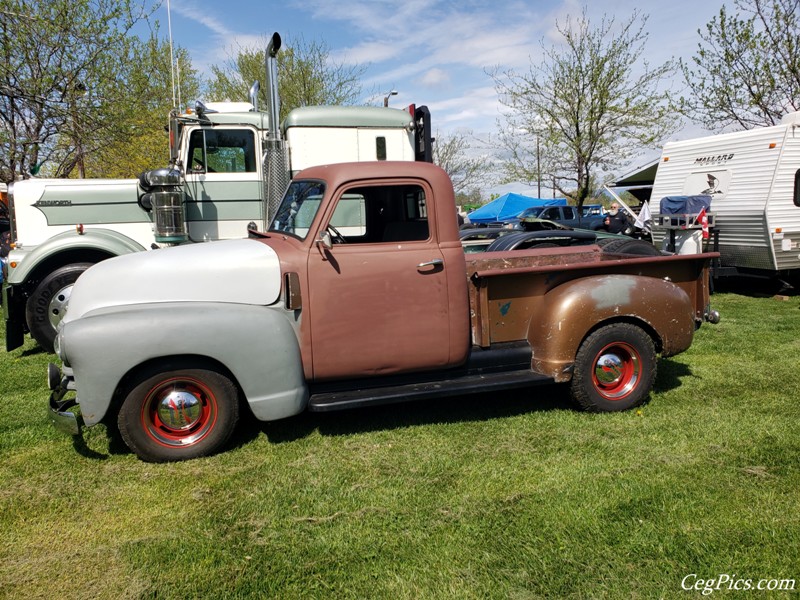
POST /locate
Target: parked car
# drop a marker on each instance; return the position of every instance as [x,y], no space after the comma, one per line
[590,217]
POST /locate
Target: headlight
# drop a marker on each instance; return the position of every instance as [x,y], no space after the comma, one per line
[59,347]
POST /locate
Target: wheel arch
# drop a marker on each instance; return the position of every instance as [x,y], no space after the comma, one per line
[141,370]
[574,310]
[630,320]
[94,245]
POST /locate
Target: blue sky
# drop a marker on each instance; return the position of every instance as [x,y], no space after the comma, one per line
[433,52]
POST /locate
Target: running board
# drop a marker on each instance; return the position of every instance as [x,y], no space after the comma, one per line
[468,384]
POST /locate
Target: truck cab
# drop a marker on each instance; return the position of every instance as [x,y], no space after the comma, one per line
[380,247]
[572,217]
[215,190]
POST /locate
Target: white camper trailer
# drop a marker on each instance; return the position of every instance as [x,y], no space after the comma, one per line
[753,178]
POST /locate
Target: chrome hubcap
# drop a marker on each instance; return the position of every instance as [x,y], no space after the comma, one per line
[180,410]
[617,371]
[58,305]
[608,369]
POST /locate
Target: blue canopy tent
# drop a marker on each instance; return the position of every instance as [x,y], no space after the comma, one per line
[508,206]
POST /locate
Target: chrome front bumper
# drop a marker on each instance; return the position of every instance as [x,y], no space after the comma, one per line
[61,385]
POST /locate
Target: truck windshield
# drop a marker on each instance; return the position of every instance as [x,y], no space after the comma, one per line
[298,208]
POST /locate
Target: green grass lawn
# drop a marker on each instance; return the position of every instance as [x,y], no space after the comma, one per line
[505,496]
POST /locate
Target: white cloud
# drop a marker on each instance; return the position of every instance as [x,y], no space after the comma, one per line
[435,78]
[434,52]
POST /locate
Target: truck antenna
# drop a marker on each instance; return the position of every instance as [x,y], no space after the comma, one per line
[171,55]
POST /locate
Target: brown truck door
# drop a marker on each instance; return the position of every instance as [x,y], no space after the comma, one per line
[378,291]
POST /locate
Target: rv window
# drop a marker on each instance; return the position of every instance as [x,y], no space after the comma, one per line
[797,188]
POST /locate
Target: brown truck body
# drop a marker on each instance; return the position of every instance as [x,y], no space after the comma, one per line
[370,310]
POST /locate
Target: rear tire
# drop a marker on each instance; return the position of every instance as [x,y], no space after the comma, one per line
[48,302]
[626,245]
[176,414]
[614,369]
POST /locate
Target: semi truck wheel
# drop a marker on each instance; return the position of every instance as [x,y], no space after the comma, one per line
[614,369]
[46,305]
[178,414]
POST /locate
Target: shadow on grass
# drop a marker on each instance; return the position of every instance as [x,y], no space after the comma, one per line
[457,409]
[467,408]
[754,287]
[670,373]
[81,448]
[36,350]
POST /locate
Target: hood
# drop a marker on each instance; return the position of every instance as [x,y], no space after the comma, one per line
[234,271]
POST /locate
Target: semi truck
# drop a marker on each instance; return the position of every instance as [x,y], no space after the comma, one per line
[229,163]
[358,293]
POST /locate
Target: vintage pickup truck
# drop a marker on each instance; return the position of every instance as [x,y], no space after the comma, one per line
[359,293]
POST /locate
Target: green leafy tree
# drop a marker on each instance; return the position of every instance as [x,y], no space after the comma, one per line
[308,76]
[139,141]
[73,82]
[587,107]
[746,72]
[468,168]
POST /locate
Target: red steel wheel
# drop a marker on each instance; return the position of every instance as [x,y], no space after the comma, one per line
[178,414]
[615,368]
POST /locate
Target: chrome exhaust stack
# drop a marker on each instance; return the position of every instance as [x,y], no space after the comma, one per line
[276,156]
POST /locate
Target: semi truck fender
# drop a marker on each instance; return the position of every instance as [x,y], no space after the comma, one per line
[571,311]
[257,345]
[106,241]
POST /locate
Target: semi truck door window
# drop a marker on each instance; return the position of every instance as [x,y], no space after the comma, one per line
[222,151]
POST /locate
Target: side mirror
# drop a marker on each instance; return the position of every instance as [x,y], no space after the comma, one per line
[325,239]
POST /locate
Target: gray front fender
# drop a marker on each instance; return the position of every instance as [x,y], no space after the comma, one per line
[257,344]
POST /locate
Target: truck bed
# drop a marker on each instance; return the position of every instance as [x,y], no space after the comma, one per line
[508,287]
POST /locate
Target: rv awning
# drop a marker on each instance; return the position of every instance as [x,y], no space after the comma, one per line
[639,182]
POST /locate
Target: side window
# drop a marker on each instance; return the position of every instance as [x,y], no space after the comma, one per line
[381,214]
[222,151]
[569,212]
[796,196]
[550,213]
[380,148]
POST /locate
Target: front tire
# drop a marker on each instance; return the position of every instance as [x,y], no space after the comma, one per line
[614,369]
[46,306]
[178,414]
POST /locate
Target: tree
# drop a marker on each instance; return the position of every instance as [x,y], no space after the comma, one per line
[587,107]
[746,72]
[466,169]
[308,76]
[67,79]
[140,142]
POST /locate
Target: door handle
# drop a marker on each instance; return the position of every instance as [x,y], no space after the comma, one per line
[436,262]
